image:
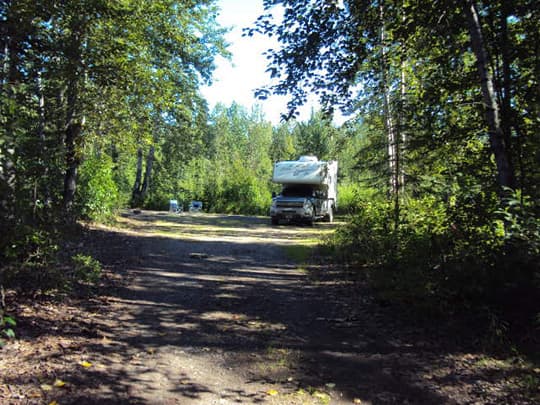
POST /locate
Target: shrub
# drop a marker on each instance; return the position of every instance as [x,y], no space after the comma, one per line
[32,261]
[447,257]
[351,197]
[35,262]
[7,323]
[97,192]
[86,269]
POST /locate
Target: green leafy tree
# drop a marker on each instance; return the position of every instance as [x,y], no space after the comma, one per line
[84,86]
[237,154]
[446,126]
[316,136]
[283,143]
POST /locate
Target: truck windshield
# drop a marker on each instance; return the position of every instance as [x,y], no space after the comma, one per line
[297,191]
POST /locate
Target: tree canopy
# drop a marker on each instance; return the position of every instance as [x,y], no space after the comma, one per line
[369,55]
[100,109]
[444,97]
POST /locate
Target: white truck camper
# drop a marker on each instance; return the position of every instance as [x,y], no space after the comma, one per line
[309,191]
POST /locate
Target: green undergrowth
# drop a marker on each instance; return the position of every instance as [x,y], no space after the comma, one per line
[48,260]
[302,250]
[300,254]
[7,327]
[445,260]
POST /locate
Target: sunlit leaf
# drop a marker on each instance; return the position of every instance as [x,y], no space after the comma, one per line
[9,333]
[321,395]
[10,321]
[272,392]
[46,387]
[59,383]
[85,364]
[53,403]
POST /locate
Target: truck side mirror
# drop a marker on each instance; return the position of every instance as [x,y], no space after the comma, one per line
[273,194]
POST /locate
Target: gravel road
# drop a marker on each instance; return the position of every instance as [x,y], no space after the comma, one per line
[220,309]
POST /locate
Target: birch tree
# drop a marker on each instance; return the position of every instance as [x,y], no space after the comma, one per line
[499,145]
[330,49]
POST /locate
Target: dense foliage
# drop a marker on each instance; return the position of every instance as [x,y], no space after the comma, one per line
[232,171]
[446,95]
[87,89]
[100,109]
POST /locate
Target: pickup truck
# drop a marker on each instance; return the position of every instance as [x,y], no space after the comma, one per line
[309,190]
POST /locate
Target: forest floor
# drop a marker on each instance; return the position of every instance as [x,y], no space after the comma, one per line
[217,309]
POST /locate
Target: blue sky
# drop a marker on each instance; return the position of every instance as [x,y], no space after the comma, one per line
[236,80]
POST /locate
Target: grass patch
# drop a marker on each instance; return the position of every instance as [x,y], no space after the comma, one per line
[300,254]
[308,396]
[279,357]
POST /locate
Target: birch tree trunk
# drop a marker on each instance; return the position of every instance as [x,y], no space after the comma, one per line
[402,132]
[7,147]
[5,62]
[391,130]
[498,144]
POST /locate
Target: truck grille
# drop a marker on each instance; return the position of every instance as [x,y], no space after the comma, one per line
[290,204]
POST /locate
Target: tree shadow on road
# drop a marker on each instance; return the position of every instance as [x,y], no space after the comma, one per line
[236,319]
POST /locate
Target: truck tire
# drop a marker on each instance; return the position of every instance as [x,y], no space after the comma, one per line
[274,221]
[311,221]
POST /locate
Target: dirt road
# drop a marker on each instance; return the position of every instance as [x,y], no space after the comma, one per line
[212,309]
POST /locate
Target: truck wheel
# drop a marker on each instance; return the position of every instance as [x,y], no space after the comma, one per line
[274,221]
